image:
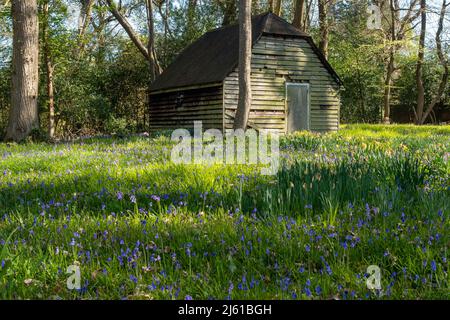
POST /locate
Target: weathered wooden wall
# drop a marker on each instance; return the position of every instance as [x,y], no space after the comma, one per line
[179,109]
[276,60]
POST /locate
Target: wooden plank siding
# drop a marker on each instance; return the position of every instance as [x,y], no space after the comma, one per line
[180,108]
[275,61]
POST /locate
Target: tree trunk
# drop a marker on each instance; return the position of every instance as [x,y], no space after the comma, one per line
[24,117]
[299,12]
[245,55]
[390,66]
[277,7]
[443,61]
[419,80]
[155,68]
[84,20]
[307,21]
[128,29]
[323,26]
[49,72]
[387,89]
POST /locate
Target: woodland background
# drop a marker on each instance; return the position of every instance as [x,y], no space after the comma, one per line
[94,54]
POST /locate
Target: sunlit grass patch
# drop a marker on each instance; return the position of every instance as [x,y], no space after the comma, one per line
[142,227]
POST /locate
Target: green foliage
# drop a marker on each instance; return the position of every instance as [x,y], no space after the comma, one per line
[406,84]
[357,57]
[107,78]
[117,126]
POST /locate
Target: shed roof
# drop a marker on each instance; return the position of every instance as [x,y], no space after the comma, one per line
[215,54]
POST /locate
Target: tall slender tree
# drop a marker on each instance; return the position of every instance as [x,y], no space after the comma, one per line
[155,68]
[397,27]
[83,23]
[277,7]
[150,55]
[419,65]
[48,69]
[299,14]
[23,117]
[245,55]
[323,26]
[421,114]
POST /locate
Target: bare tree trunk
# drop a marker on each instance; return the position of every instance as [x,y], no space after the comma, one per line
[419,80]
[277,7]
[396,33]
[387,88]
[299,12]
[245,55]
[24,117]
[390,66]
[323,26]
[128,29]
[99,29]
[443,61]
[84,20]
[307,21]
[49,72]
[155,68]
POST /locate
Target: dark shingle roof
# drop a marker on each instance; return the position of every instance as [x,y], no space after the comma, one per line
[215,54]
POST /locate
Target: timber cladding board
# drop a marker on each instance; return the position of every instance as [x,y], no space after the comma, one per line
[177,109]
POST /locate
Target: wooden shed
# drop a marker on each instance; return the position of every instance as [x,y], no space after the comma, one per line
[293,85]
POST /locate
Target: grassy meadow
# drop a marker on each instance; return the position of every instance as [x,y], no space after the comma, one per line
[142,227]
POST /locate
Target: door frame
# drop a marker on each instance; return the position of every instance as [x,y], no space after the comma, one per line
[308,109]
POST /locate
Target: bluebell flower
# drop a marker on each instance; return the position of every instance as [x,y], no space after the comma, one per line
[318,290]
[433,265]
[133,278]
[307,292]
[188,297]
